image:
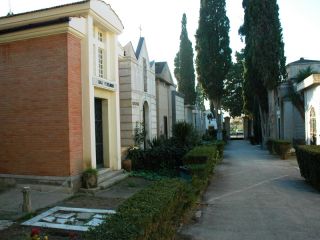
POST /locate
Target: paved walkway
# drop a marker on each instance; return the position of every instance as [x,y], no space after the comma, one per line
[11,201]
[253,196]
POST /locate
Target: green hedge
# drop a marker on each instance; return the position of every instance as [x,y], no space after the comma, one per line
[155,212]
[200,154]
[152,213]
[165,156]
[308,158]
[201,162]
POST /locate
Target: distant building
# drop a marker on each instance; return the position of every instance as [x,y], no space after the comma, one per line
[286,121]
[170,103]
[137,93]
[311,91]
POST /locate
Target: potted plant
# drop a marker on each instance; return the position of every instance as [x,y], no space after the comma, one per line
[127,164]
[90,178]
[282,148]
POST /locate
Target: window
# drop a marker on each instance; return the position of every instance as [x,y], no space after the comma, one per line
[145,77]
[100,37]
[100,63]
[313,127]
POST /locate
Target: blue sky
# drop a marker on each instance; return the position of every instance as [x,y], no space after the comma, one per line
[160,21]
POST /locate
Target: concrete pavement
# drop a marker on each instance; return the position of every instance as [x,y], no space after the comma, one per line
[11,201]
[254,195]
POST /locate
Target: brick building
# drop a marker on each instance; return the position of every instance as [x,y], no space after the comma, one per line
[59,108]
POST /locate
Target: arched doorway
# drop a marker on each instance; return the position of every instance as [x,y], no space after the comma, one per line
[146,123]
[313,127]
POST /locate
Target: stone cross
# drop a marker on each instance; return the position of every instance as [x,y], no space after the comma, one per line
[140,28]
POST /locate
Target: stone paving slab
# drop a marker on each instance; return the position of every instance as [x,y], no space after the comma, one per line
[66,218]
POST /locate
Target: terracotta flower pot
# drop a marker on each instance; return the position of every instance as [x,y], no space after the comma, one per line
[127,165]
[89,180]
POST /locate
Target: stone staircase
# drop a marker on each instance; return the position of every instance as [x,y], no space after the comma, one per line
[108,177]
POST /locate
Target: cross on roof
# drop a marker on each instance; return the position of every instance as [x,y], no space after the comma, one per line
[140,28]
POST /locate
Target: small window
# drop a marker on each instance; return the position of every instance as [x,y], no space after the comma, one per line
[145,77]
[100,62]
[100,36]
[313,127]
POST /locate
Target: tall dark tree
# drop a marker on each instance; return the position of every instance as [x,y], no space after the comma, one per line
[184,69]
[200,97]
[232,100]
[264,53]
[213,52]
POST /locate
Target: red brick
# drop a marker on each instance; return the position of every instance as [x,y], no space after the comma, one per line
[40,107]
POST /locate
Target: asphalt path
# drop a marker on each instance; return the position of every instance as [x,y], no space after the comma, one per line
[256,196]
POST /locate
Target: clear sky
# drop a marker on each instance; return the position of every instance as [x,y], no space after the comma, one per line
[161,23]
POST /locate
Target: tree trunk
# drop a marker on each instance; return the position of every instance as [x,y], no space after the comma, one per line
[272,113]
[217,111]
[264,127]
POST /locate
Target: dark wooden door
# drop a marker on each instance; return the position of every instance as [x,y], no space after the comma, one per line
[99,132]
[165,122]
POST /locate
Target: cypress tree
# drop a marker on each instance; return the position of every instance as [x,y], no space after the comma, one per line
[184,69]
[232,100]
[264,52]
[213,52]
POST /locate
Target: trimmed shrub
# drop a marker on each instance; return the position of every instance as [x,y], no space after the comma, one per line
[164,156]
[201,161]
[282,148]
[184,134]
[220,148]
[200,154]
[308,158]
[152,213]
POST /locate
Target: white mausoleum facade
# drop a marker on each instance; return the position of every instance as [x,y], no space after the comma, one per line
[137,93]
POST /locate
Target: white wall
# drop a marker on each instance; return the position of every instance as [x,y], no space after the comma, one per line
[312,99]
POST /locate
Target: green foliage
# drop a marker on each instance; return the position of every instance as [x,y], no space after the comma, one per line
[156,142]
[212,46]
[233,100]
[296,97]
[264,51]
[165,154]
[160,157]
[139,134]
[213,52]
[264,57]
[90,171]
[309,163]
[184,69]
[200,97]
[152,213]
[200,154]
[201,161]
[184,134]
[155,212]
[304,73]
[149,175]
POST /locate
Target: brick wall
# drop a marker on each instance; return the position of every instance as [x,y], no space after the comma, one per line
[40,106]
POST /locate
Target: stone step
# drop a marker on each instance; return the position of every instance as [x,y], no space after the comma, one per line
[111,181]
[103,171]
[106,175]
